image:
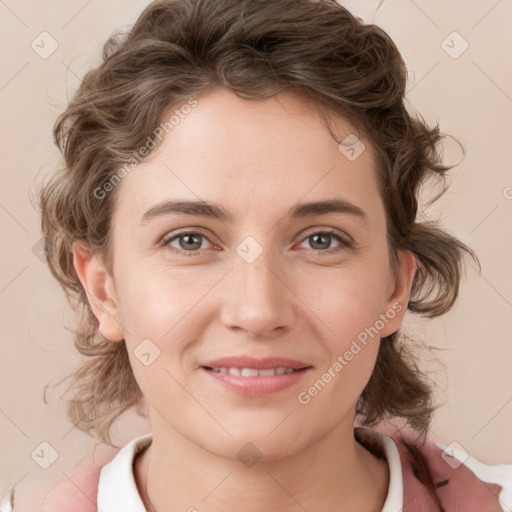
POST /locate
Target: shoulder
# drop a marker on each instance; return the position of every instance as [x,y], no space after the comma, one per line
[459,481]
[76,491]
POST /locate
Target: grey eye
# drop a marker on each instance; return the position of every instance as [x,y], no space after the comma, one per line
[187,241]
[322,240]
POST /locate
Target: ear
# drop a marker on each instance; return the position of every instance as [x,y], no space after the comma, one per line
[99,286]
[399,293]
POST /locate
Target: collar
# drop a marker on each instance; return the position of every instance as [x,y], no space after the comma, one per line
[117,489]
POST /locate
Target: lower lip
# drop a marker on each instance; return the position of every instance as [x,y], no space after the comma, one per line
[257,386]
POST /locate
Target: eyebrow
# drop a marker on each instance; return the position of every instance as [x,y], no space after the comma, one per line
[215,211]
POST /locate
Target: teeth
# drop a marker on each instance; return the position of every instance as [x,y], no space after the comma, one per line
[249,372]
[253,372]
[270,371]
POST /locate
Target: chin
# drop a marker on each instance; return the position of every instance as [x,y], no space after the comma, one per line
[261,442]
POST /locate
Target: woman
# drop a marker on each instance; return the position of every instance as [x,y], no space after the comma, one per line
[236,221]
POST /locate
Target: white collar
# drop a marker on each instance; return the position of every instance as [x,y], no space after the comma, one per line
[117,489]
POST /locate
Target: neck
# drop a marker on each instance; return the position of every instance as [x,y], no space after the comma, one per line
[334,473]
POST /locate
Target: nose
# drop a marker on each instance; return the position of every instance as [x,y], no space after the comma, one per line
[257,299]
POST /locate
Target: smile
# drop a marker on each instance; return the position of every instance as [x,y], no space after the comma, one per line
[255,382]
[253,372]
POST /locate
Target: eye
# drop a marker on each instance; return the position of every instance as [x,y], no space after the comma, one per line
[320,241]
[187,241]
[191,242]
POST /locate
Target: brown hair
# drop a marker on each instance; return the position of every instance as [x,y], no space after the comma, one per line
[256,48]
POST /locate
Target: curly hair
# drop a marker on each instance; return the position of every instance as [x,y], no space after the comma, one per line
[179,49]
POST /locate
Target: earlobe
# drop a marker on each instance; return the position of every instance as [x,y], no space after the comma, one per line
[98,285]
[396,305]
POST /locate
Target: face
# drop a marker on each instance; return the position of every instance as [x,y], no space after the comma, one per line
[272,282]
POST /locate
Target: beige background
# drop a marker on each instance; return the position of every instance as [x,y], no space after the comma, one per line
[470,95]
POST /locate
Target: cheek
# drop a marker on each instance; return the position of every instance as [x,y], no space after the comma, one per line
[153,300]
[156,308]
[349,303]
[163,312]
[350,306]
[347,300]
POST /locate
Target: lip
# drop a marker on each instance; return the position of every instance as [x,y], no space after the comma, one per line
[261,385]
[260,364]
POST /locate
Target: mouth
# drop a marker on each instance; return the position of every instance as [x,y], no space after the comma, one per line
[255,377]
[246,366]
[254,372]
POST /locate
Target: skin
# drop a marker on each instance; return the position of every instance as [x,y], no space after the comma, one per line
[298,300]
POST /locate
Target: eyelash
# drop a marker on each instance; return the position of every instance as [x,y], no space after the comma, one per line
[344,242]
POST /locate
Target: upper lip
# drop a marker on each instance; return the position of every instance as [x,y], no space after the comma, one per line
[260,364]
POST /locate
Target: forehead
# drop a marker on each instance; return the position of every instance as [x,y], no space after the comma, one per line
[255,157]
